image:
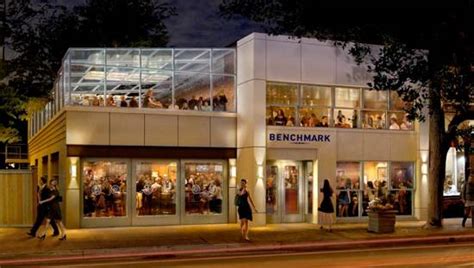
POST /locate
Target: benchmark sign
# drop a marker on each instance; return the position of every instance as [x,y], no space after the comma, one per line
[290,137]
[299,138]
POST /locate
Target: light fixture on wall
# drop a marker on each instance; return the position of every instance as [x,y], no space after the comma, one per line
[424,169]
[73,170]
[233,171]
[260,172]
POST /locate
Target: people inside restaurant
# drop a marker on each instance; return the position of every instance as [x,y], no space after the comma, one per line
[219,102]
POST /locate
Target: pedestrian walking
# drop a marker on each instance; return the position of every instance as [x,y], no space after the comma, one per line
[42,210]
[326,209]
[467,195]
[243,201]
[54,211]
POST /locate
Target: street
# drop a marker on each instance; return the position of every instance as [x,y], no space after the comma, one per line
[449,255]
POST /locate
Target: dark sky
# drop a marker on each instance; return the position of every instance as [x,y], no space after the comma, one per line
[198,24]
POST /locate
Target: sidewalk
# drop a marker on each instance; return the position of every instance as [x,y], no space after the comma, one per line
[155,241]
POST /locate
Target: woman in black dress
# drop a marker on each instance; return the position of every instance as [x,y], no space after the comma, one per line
[326,208]
[245,212]
[54,210]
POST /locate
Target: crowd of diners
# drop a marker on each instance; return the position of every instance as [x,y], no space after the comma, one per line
[219,102]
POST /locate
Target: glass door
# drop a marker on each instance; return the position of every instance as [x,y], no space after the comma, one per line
[156,191]
[308,180]
[284,196]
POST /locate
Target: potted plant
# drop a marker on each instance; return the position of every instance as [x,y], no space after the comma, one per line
[381,216]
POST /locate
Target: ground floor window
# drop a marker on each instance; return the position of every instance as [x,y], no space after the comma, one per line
[203,188]
[104,188]
[358,183]
[155,188]
[155,191]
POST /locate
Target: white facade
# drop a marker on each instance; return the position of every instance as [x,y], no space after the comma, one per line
[262,58]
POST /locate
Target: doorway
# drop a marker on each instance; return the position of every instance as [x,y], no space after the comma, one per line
[286,191]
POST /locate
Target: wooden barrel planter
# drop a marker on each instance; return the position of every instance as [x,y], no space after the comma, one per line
[382,221]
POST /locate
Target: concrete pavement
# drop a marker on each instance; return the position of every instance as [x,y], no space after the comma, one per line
[17,248]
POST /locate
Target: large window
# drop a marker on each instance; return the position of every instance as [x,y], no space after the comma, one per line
[187,79]
[104,189]
[155,188]
[203,188]
[282,101]
[348,189]
[392,182]
[455,169]
[322,106]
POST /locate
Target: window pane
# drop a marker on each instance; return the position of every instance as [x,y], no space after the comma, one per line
[375,178]
[89,56]
[309,179]
[399,121]
[223,87]
[345,118]
[281,116]
[282,94]
[87,85]
[191,89]
[348,175]
[396,103]
[454,173]
[271,190]
[375,99]
[291,175]
[316,96]
[223,61]
[401,175]
[156,188]
[401,201]
[373,119]
[347,203]
[123,57]
[314,117]
[192,60]
[160,59]
[122,83]
[156,89]
[105,188]
[347,97]
[203,189]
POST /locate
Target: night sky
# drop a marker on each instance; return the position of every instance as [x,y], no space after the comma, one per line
[198,24]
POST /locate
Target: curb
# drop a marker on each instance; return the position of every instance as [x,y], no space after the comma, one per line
[215,250]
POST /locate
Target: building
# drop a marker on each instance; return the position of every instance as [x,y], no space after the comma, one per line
[283,113]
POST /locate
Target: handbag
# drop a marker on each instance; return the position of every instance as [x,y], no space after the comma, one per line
[237,200]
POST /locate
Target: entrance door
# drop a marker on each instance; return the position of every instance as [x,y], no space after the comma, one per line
[284,191]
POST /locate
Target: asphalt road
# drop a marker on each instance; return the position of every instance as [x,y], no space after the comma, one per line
[450,255]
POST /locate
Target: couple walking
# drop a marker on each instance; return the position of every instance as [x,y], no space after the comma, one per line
[48,210]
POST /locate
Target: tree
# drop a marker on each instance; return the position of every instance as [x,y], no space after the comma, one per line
[40,32]
[425,55]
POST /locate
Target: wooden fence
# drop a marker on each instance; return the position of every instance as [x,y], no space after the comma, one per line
[16,198]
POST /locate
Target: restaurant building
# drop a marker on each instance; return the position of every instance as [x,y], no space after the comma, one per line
[163,136]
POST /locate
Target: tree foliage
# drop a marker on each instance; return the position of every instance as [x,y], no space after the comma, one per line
[40,32]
